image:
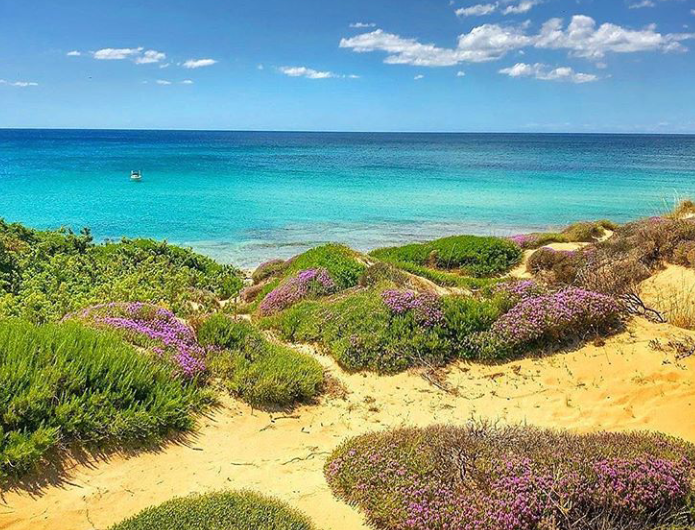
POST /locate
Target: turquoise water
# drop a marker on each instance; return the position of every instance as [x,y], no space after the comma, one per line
[243,197]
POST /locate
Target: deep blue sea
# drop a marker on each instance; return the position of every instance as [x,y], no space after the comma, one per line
[242,197]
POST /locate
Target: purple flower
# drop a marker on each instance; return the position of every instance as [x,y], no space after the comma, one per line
[554,317]
[426,307]
[151,327]
[305,284]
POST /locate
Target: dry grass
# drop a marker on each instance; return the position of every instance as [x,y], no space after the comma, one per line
[678,306]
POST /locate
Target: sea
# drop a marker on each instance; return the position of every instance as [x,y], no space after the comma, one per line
[244,197]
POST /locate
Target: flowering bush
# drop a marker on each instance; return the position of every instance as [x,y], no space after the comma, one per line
[151,327]
[305,284]
[269,269]
[518,291]
[426,307]
[544,319]
[517,478]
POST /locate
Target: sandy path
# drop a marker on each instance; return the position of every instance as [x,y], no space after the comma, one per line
[622,385]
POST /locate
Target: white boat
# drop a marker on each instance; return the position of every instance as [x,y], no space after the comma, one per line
[136,174]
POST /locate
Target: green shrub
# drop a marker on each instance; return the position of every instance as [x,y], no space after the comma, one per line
[515,478]
[44,275]
[241,510]
[269,269]
[341,262]
[258,371]
[586,232]
[64,383]
[472,255]
[362,333]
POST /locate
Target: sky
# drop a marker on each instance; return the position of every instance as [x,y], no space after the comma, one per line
[353,65]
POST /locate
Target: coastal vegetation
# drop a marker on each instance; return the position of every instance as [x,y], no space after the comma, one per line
[62,383]
[259,371]
[241,510]
[515,478]
[45,275]
[473,256]
[116,345]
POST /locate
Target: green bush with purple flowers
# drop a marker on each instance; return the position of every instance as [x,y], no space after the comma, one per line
[64,384]
[546,319]
[515,478]
[153,328]
[309,283]
[385,329]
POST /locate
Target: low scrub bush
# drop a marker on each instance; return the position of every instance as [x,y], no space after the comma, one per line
[269,269]
[387,330]
[258,371]
[153,328]
[383,272]
[472,255]
[556,266]
[309,283]
[44,275]
[65,383]
[547,320]
[515,478]
[241,510]
[341,262]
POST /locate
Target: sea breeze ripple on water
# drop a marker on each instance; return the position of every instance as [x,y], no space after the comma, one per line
[153,327]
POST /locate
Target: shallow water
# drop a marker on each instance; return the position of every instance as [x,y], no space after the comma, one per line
[243,197]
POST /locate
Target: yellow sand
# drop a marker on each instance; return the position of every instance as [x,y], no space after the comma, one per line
[622,385]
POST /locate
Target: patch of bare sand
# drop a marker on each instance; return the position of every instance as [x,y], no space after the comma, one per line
[672,292]
[622,385]
[520,270]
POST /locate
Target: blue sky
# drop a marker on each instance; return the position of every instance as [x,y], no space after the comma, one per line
[358,65]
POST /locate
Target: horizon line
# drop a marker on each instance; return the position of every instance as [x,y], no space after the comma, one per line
[331,131]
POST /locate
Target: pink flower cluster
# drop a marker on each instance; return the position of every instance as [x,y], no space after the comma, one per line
[152,327]
[524,240]
[426,307]
[519,291]
[554,317]
[421,483]
[305,284]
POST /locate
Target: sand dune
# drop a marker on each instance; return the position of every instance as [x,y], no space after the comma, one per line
[623,384]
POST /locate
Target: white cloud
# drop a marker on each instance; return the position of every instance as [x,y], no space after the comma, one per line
[522,7]
[362,25]
[584,39]
[692,11]
[74,53]
[187,82]
[116,54]
[165,65]
[460,73]
[418,77]
[198,63]
[303,71]
[20,84]
[150,56]
[544,73]
[642,4]
[162,82]
[489,42]
[477,10]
